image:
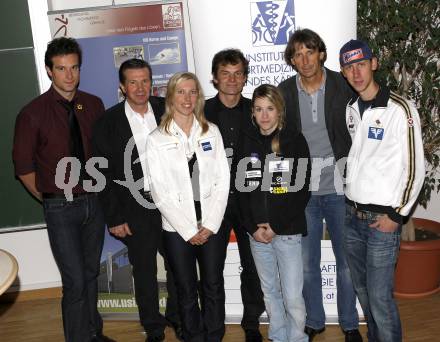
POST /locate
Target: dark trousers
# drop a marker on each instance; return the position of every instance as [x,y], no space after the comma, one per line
[205,324]
[251,294]
[76,235]
[143,245]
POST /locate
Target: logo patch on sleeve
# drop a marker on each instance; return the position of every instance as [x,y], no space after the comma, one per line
[206,146]
[375,133]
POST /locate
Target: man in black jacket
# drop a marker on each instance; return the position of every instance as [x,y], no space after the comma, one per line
[230,111]
[315,105]
[120,137]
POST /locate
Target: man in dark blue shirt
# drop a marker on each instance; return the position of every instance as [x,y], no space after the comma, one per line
[230,111]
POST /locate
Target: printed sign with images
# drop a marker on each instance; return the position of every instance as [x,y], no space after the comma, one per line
[172,16]
[123,53]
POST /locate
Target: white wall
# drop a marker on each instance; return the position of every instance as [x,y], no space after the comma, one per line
[432,212]
[37,268]
[57,5]
[41,36]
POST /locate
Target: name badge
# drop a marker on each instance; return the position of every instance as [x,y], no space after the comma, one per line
[278,190]
[375,133]
[279,166]
[253,174]
[254,158]
[170,146]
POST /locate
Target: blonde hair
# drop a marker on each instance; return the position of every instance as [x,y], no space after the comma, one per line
[272,93]
[169,107]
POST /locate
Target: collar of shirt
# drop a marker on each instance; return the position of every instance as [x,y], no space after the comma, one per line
[141,126]
[221,106]
[320,89]
[187,141]
[380,100]
[56,96]
[131,114]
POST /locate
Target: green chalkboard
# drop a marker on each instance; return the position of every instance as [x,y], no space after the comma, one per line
[15,25]
[19,85]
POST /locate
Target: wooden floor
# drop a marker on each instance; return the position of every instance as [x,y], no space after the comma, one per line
[40,320]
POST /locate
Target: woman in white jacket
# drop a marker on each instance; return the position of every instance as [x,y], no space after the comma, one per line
[189,182]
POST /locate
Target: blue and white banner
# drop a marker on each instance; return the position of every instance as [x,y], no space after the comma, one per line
[261,30]
[158,33]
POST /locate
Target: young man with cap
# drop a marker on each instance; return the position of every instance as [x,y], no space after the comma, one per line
[385,172]
[316,98]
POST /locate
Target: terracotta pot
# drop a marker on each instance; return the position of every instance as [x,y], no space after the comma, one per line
[418,267]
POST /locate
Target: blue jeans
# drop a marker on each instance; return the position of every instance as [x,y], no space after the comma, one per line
[76,236]
[279,267]
[372,257]
[332,208]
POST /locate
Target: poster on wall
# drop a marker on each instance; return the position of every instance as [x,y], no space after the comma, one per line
[158,33]
[115,281]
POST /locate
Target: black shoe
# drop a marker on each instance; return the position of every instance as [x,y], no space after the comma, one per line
[177,327]
[352,336]
[155,338]
[311,333]
[253,335]
[101,338]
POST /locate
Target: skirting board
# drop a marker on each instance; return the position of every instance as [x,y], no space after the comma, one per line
[21,296]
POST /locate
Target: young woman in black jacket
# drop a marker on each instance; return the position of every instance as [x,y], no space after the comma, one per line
[272,169]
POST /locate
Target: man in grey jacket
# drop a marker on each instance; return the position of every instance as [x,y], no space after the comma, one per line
[315,105]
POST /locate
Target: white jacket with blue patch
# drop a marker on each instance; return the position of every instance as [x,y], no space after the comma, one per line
[385,166]
[170,180]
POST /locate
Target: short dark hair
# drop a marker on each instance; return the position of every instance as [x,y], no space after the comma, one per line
[60,47]
[229,56]
[134,63]
[310,39]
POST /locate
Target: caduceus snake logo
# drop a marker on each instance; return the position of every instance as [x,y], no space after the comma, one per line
[272,22]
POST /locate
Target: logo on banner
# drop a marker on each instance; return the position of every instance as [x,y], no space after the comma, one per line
[272,22]
[172,16]
[61,22]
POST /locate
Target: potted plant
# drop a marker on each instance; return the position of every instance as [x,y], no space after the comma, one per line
[418,267]
[405,36]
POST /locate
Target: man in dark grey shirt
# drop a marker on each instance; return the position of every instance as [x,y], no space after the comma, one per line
[230,111]
[315,104]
